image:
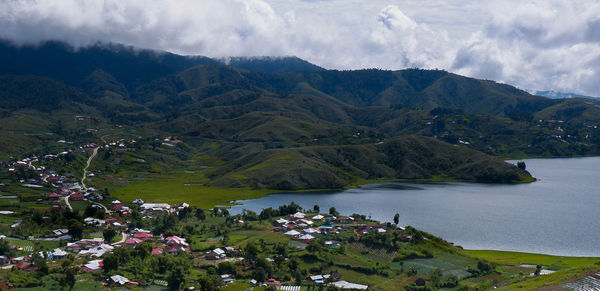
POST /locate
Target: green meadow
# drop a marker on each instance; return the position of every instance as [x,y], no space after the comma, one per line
[179,191]
[517,258]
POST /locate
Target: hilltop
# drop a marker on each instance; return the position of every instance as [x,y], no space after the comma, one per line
[282,123]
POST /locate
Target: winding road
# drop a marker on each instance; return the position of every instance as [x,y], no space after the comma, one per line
[89,161]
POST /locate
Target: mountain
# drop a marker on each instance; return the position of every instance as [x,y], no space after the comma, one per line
[282,122]
[59,61]
[562,95]
[272,64]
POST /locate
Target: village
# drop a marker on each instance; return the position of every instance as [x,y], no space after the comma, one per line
[87,243]
[79,237]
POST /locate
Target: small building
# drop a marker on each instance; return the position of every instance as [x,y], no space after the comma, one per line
[53,197]
[120,280]
[280,222]
[57,254]
[292,233]
[76,197]
[272,283]
[227,279]
[143,236]
[306,238]
[92,266]
[297,215]
[318,217]
[332,244]
[216,254]
[133,242]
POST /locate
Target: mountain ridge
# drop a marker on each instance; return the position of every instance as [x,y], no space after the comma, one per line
[242,117]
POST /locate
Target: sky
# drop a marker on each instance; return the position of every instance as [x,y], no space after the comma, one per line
[534,45]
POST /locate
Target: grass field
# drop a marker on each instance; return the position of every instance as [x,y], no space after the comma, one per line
[176,191]
[516,258]
[552,279]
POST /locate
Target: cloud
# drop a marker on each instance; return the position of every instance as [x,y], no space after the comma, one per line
[552,44]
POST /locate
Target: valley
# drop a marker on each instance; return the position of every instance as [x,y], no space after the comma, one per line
[122,168]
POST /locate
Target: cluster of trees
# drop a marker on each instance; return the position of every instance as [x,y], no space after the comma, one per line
[283,210]
[141,263]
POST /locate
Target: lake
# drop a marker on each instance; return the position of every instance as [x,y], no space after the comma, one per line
[559,214]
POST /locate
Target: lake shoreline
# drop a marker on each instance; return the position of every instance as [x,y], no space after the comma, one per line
[551,216]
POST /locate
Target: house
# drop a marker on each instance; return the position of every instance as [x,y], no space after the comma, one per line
[25,266]
[180,206]
[132,242]
[176,244]
[326,227]
[280,222]
[306,238]
[94,221]
[216,254]
[157,251]
[292,233]
[92,266]
[304,221]
[272,283]
[120,280]
[311,231]
[147,207]
[297,215]
[53,197]
[342,219]
[96,252]
[143,236]
[319,279]
[232,250]
[118,206]
[332,244]
[227,279]
[84,244]
[76,197]
[57,254]
[60,232]
[138,201]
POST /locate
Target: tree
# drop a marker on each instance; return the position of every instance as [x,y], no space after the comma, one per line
[110,263]
[5,249]
[251,251]
[144,249]
[316,208]
[435,276]
[396,218]
[333,211]
[75,228]
[226,268]
[538,270]
[521,165]
[200,214]
[176,278]
[260,274]
[68,281]
[109,234]
[40,263]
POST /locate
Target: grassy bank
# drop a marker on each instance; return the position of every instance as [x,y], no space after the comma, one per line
[176,191]
[517,258]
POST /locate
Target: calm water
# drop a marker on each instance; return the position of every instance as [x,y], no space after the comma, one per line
[559,214]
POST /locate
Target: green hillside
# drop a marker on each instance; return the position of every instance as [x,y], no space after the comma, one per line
[282,123]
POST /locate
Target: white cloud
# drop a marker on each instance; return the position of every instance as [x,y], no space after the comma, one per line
[551,44]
